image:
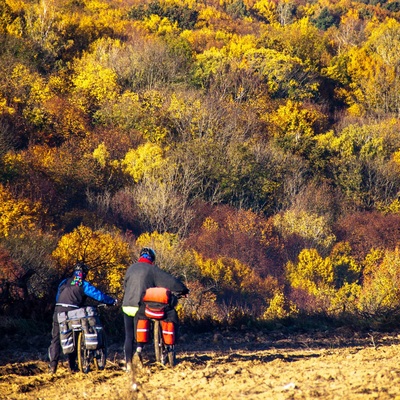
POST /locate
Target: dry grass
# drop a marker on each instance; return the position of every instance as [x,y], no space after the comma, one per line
[242,365]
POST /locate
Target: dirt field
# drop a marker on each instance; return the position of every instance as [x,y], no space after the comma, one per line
[242,365]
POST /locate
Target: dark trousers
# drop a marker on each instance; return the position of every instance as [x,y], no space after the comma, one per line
[129,323]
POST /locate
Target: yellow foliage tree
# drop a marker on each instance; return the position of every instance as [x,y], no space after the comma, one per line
[143,160]
[101,154]
[312,273]
[4,109]
[94,84]
[284,75]
[160,26]
[30,92]
[312,227]
[346,279]
[332,281]
[226,272]
[345,267]
[380,294]
[17,216]
[279,307]
[170,253]
[107,254]
[124,113]
[361,150]
[152,105]
[207,16]
[267,9]
[294,126]
[300,39]
[201,38]
[392,208]
[188,117]
[371,71]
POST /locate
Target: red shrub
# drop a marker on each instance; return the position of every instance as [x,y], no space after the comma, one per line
[366,230]
[242,235]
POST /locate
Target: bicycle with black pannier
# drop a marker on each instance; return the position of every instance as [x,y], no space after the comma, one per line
[81,330]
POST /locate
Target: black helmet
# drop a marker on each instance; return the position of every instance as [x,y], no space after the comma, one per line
[149,252]
[80,266]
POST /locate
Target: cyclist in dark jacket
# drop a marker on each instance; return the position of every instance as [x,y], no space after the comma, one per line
[140,276]
[71,294]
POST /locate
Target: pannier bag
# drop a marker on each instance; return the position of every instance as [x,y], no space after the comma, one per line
[75,318]
[156,300]
[66,334]
[143,331]
[157,295]
[168,331]
[91,338]
[86,319]
[94,330]
[154,312]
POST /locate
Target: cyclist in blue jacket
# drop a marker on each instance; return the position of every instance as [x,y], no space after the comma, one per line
[71,294]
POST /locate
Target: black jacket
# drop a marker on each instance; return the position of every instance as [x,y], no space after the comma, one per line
[75,296]
[141,276]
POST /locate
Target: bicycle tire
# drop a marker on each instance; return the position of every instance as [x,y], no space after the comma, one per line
[171,356]
[158,341]
[83,354]
[164,354]
[100,358]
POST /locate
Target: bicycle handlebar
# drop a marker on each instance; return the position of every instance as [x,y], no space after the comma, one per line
[180,295]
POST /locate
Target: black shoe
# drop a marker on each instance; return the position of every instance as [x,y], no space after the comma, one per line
[52,368]
[74,368]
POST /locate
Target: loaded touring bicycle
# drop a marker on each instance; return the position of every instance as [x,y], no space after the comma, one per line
[156,326]
[81,330]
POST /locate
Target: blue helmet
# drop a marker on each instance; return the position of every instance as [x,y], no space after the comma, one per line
[80,266]
[148,253]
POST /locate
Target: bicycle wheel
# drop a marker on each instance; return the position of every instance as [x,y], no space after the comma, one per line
[171,355]
[84,355]
[158,342]
[100,357]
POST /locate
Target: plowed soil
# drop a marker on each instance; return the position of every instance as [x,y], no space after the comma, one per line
[225,365]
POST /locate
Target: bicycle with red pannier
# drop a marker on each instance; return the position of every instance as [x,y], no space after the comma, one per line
[157,320]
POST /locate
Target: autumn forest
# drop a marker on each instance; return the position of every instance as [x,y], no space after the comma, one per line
[254,144]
